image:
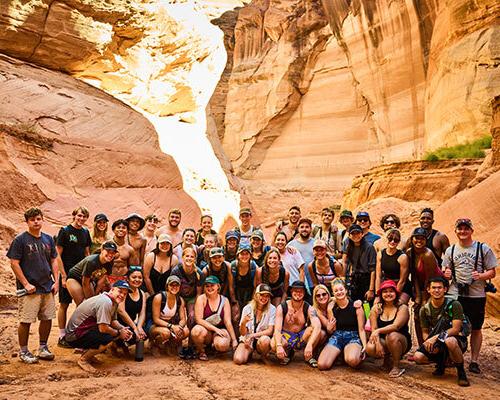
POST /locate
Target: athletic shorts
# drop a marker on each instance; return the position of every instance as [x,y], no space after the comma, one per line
[35,306]
[64,296]
[474,308]
[341,339]
[294,339]
[436,357]
[92,339]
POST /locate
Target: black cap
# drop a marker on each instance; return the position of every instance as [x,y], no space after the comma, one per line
[355,227]
[298,285]
[101,217]
[419,232]
[110,245]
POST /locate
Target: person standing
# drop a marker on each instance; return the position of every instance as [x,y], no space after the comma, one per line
[135,238]
[363,219]
[99,233]
[246,228]
[173,228]
[469,264]
[73,245]
[149,233]
[346,219]
[33,258]
[304,244]
[290,227]
[329,232]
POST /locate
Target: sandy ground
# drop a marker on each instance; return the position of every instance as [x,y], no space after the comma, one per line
[168,377]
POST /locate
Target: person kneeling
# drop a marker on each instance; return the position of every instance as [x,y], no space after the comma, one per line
[210,324]
[390,337]
[291,330]
[348,332]
[168,319]
[93,325]
[442,322]
[256,326]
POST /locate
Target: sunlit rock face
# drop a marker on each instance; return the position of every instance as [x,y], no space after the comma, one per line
[320,91]
[163,58]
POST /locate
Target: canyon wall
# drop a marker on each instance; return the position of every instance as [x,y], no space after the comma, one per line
[320,91]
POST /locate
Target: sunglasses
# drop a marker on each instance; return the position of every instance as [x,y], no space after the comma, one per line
[390,221]
[363,220]
[393,240]
[135,268]
[321,295]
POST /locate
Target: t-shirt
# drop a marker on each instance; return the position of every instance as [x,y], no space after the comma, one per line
[369,238]
[292,263]
[362,259]
[90,267]
[427,322]
[89,314]
[266,321]
[463,260]
[306,251]
[35,256]
[245,235]
[73,241]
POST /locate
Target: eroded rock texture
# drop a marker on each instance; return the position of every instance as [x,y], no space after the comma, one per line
[322,90]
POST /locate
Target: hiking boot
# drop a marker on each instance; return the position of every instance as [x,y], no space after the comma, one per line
[474,368]
[45,354]
[439,371]
[28,358]
[63,343]
[462,379]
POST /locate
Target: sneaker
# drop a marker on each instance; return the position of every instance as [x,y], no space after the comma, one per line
[45,354]
[63,343]
[28,358]
[184,353]
[474,368]
[462,379]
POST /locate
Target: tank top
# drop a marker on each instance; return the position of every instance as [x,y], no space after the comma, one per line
[390,265]
[132,307]
[169,312]
[347,320]
[325,279]
[403,330]
[159,279]
[430,246]
[244,281]
[207,311]
[276,286]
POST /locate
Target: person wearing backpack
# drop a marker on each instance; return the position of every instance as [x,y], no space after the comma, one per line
[469,264]
[442,323]
[212,313]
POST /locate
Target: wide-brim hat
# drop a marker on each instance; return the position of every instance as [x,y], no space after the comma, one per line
[141,220]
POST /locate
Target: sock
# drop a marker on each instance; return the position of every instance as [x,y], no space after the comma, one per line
[43,344]
[24,349]
[62,332]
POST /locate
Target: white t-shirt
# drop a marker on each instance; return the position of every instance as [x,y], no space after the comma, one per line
[463,260]
[292,263]
[266,321]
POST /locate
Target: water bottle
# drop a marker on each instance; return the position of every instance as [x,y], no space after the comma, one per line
[139,351]
[366,309]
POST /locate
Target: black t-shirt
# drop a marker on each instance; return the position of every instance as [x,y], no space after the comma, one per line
[347,319]
[90,267]
[73,241]
[34,255]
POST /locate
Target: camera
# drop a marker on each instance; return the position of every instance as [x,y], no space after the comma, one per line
[490,287]
[463,289]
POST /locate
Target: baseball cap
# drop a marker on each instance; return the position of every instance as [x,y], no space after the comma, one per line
[164,238]
[216,251]
[305,220]
[232,235]
[362,214]
[245,210]
[319,243]
[298,285]
[463,221]
[212,279]
[173,279]
[122,285]
[354,228]
[110,245]
[258,234]
[346,213]
[101,217]
[263,288]
[419,232]
[244,247]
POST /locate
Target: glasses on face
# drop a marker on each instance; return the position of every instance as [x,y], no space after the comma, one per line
[393,240]
[321,295]
[390,221]
[363,220]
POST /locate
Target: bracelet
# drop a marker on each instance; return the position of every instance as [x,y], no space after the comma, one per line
[169,326]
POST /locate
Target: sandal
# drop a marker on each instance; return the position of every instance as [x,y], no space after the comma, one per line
[313,363]
[396,372]
[202,356]
[285,361]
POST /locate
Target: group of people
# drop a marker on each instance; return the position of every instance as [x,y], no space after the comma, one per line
[325,289]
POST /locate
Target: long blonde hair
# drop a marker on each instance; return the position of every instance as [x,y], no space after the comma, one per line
[316,289]
[253,303]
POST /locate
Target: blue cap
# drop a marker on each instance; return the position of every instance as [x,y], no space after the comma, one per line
[244,247]
[362,214]
[122,285]
[232,235]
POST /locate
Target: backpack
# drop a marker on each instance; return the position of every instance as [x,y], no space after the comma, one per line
[479,250]
[149,306]
[305,310]
[234,269]
[445,319]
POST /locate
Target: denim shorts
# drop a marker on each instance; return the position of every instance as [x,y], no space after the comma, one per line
[341,339]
